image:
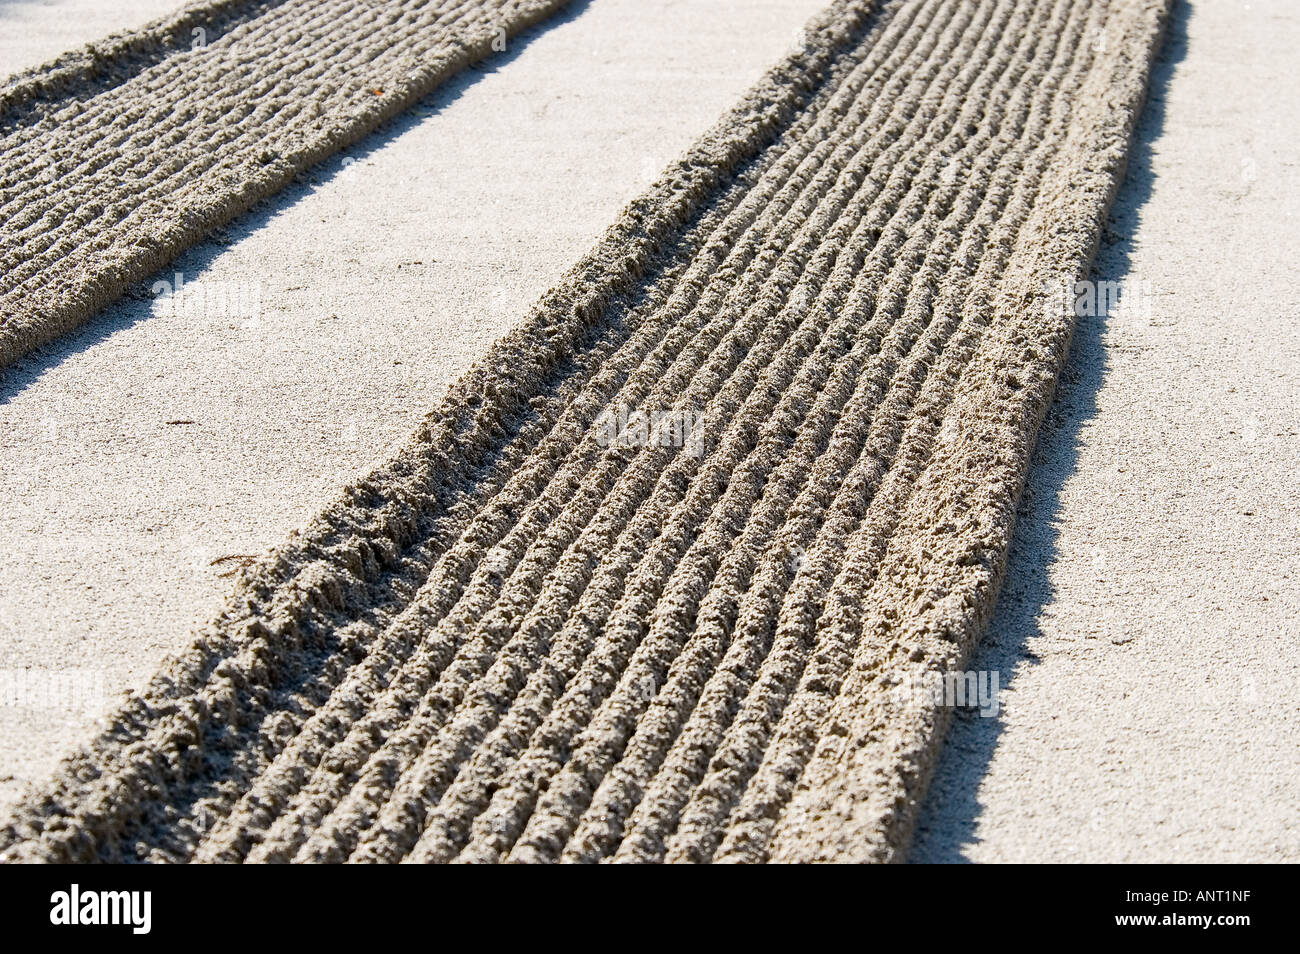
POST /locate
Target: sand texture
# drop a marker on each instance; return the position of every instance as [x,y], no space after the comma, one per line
[383,274]
[1148,632]
[519,640]
[116,158]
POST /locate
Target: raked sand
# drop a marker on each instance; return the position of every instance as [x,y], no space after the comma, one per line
[381,279]
[1146,626]
[1147,634]
[523,639]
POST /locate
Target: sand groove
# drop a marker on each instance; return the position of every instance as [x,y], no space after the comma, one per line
[518,642]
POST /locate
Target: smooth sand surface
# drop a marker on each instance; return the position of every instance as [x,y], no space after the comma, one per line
[380,282]
[1148,631]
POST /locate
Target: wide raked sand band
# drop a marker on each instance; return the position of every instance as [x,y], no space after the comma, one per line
[115,159]
[521,640]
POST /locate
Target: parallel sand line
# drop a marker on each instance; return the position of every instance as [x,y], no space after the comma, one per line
[115,159]
[416,730]
[516,641]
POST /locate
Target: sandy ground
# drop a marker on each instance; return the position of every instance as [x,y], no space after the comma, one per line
[371,281]
[518,642]
[33,32]
[208,112]
[1146,628]
[1147,633]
